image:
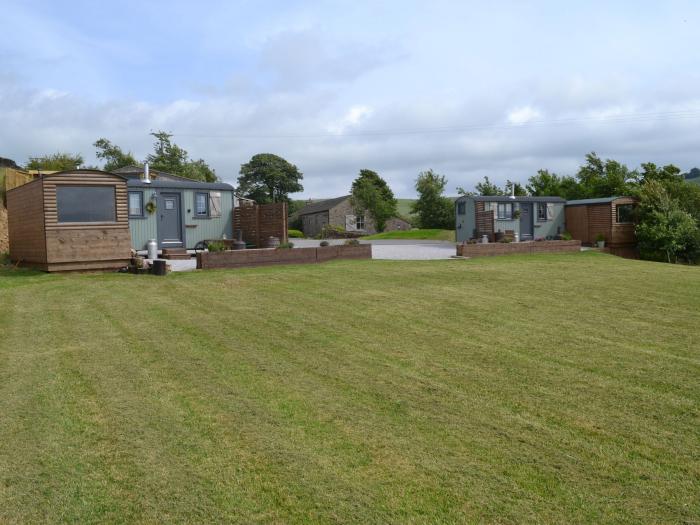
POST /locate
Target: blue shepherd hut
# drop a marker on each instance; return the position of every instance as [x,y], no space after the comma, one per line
[176,211]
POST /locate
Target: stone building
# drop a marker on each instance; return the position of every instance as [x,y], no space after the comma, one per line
[339,212]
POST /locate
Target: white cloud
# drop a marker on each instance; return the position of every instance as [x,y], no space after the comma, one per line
[353,117]
[523,115]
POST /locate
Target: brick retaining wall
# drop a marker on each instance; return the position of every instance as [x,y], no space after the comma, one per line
[248,258]
[503,248]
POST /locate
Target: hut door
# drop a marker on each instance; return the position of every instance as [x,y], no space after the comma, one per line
[526,224]
[170,221]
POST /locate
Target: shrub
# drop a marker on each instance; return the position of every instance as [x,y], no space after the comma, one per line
[4,258]
[216,246]
[295,234]
[566,236]
[286,246]
[324,243]
[352,242]
[599,238]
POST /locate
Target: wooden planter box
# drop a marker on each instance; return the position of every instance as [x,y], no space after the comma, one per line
[501,248]
[266,257]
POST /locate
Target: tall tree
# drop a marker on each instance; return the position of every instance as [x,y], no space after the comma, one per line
[519,190]
[666,231]
[269,178]
[169,157]
[56,162]
[546,184]
[433,209]
[371,193]
[486,187]
[604,178]
[113,155]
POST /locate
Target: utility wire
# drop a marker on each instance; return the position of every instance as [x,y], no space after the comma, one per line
[639,117]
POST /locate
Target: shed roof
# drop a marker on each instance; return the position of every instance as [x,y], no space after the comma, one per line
[601,200]
[317,207]
[135,172]
[81,172]
[186,184]
[508,198]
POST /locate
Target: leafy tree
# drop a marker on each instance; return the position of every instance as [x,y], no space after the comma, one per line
[665,231]
[462,191]
[113,155]
[269,178]
[56,162]
[433,209]
[171,158]
[599,178]
[692,174]
[519,190]
[487,188]
[371,192]
[546,184]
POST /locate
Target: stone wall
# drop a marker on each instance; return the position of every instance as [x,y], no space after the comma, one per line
[512,248]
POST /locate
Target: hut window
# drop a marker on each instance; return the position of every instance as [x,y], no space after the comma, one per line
[86,204]
[360,222]
[135,204]
[201,204]
[505,210]
[625,213]
[545,211]
[461,208]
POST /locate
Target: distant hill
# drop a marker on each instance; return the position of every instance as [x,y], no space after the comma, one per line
[695,180]
[404,207]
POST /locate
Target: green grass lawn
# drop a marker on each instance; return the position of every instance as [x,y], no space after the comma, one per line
[435,235]
[541,389]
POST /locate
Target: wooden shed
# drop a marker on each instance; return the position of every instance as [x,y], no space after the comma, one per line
[70,220]
[613,217]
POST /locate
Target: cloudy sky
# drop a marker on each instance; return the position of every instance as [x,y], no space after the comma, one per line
[336,86]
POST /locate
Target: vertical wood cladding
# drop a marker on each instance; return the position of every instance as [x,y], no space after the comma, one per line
[25,221]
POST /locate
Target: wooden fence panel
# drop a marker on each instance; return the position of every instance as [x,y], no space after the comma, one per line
[260,222]
[484,224]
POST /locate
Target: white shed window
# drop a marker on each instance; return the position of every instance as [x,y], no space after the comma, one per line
[360,222]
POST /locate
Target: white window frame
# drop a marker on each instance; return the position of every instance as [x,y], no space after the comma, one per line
[359,222]
[505,216]
[140,214]
[204,215]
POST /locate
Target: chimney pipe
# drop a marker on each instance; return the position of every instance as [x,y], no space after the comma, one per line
[146,174]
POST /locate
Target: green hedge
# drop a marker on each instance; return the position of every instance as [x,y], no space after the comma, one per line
[295,234]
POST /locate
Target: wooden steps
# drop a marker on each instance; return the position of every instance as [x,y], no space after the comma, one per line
[175,254]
